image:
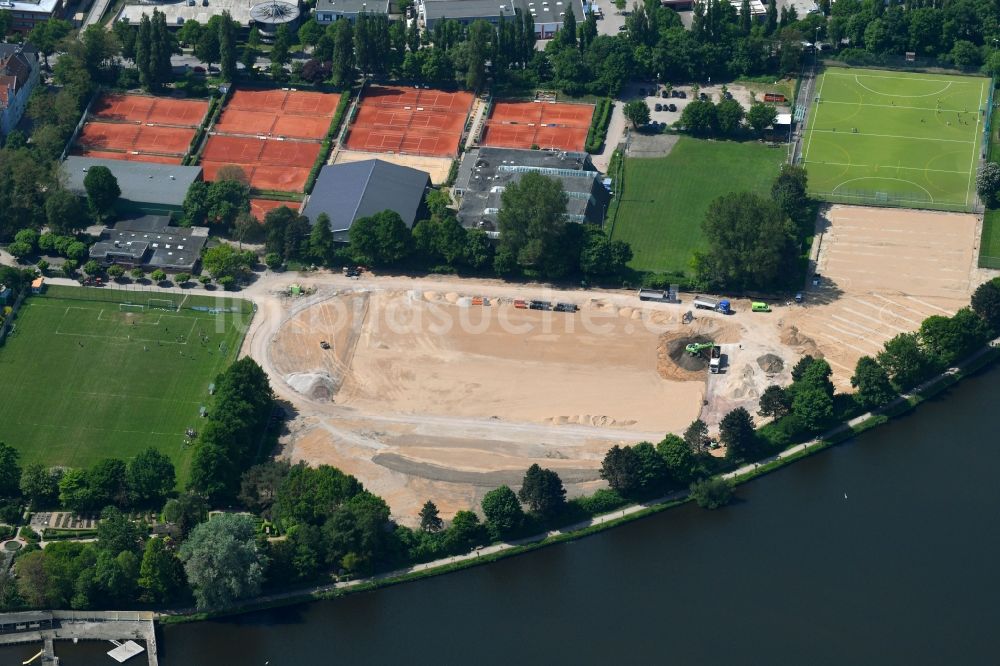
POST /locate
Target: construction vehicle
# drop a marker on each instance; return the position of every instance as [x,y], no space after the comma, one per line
[696,348]
[707,303]
[660,295]
[715,360]
[757,306]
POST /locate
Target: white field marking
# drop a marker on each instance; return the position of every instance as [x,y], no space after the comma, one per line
[896,136]
[925,304]
[901,180]
[919,313]
[860,337]
[972,166]
[100,317]
[845,344]
[897,167]
[877,321]
[187,336]
[819,93]
[851,322]
[930,94]
[897,78]
[897,106]
[887,310]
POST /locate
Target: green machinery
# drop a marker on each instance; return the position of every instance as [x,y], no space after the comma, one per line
[696,348]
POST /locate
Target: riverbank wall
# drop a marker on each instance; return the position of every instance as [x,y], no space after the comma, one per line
[89,625]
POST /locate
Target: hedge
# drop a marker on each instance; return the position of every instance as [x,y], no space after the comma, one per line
[599,125]
[331,133]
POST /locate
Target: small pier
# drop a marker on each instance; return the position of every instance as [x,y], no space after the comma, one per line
[119,627]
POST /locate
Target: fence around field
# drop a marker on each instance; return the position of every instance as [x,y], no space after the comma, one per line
[149,296]
[894,200]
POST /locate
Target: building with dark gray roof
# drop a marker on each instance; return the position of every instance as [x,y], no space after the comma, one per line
[548,15]
[147,188]
[485,172]
[352,190]
[328,11]
[150,242]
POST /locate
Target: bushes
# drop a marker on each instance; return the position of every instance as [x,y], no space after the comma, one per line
[599,125]
[331,134]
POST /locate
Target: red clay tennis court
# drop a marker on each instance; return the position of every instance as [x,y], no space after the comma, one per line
[289,115]
[542,124]
[148,109]
[127,157]
[259,208]
[263,177]
[295,102]
[141,138]
[272,152]
[415,121]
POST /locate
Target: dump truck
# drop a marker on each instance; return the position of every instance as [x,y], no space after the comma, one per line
[707,303]
[660,295]
[715,360]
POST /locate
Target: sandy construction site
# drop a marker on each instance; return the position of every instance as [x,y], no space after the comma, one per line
[439,388]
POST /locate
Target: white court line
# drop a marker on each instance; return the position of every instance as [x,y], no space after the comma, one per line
[850,322]
[933,307]
[895,136]
[865,166]
[898,78]
[878,92]
[860,337]
[901,306]
[877,321]
[893,312]
[972,167]
[897,106]
[864,352]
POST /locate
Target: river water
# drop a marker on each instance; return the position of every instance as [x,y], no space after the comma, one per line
[883,550]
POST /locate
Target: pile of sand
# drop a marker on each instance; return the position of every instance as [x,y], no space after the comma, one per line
[744,386]
[771,364]
[589,419]
[313,385]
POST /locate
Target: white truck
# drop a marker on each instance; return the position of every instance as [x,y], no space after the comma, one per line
[715,360]
[711,304]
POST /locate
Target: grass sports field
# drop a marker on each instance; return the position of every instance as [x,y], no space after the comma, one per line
[91,379]
[665,199]
[894,137]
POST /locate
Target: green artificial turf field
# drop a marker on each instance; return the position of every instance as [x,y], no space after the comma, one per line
[907,139]
[90,379]
[664,200]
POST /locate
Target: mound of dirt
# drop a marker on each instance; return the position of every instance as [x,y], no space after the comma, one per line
[313,385]
[771,364]
[674,363]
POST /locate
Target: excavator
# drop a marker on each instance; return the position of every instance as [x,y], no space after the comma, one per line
[696,348]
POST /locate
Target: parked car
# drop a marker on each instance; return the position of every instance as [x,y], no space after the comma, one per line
[728,95]
[664,94]
[703,97]
[658,107]
[682,94]
[671,107]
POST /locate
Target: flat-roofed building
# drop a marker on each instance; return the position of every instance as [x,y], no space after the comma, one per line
[147,187]
[151,242]
[328,11]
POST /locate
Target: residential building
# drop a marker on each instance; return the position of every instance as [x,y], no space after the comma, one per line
[147,187]
[150,242]
[29,13]
[352,190]
[19,68]
[485,172]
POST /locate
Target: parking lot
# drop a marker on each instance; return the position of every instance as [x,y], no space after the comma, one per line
[652,93]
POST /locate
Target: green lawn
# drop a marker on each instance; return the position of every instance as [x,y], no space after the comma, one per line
[664,200]
[84,380]
[911,139]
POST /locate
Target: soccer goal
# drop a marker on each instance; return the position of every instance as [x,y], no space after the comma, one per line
[130,307]
[163,304]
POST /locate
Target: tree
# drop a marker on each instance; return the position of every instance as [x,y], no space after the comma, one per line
[696,436]
[988,183]
[311,32]
[542,491]
[947,339]
[190,32]
[137,273]
[775,401]
[622,470]
[736,431]
[206,48]
[813,406]
[187,511]
[116,532]
[430,521]
[699,117]
[259,485]
[161,574]
[872,384]
[682,466]
[75,493]
[761,116]
[504,516]
[39,485]
[752,244]
[227,46]
[800,367]
[817,376]
[102,190]
[10,471]
[47,35]
[790,192]
[464,533]
[532,221]
[986,303]
[637,113]
[181,278]
[321,243]
[158,275]
[93,268]
[905,361]
[116,271]
[712,493]
[64,211]
[225,260]
[342,72]
[602,256]
[150,478]
[223,561]
[380,239]
[729,116]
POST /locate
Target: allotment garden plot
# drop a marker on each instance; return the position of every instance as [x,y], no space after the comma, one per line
[97,373]
[912,140]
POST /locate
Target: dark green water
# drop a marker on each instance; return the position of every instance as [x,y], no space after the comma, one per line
[902,571]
